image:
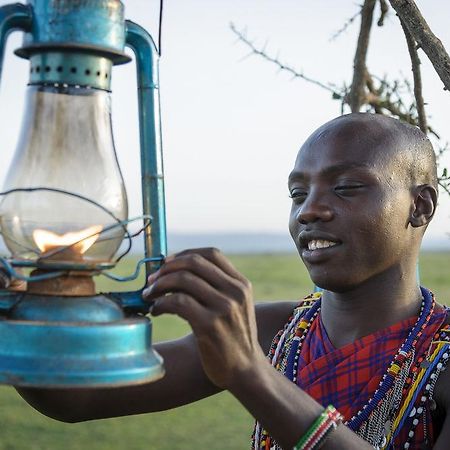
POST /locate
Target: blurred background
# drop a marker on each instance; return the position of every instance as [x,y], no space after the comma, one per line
[232,124]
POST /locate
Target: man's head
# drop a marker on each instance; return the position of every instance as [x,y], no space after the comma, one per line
[364,188]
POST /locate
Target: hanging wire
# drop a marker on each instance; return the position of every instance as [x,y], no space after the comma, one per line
[161,3]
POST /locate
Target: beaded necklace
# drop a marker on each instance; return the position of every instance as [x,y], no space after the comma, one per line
[399,365]
[374,421]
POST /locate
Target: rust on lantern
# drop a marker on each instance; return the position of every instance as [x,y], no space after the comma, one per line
[76,284]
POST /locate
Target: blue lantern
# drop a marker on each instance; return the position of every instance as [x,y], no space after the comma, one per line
[64,214]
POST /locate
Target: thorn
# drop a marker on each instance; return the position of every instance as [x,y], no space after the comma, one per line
[245,57]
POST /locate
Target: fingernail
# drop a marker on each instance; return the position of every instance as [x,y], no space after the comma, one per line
[152,277]
[148,290]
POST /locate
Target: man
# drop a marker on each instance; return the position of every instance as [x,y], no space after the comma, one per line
[363,190]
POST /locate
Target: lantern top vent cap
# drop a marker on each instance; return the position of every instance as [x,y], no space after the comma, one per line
[89,26]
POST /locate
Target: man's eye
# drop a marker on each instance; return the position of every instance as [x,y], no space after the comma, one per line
[298,195]
[348,188]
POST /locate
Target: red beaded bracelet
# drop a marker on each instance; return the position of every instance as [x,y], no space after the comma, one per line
[320,430]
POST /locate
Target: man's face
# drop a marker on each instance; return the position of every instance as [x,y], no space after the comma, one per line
[350,210]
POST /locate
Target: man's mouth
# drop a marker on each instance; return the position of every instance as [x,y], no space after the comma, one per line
[316,244]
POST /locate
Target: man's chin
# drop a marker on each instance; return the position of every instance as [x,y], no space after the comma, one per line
[331,283]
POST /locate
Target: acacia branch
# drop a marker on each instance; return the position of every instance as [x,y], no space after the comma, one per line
[384,8]
[347,23]
[445,184]
[356,95]
[415,67]
[283,67]
[410,14]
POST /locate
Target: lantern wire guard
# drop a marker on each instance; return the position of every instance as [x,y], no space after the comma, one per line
[59,332]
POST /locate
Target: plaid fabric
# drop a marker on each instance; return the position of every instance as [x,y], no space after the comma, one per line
[346,377]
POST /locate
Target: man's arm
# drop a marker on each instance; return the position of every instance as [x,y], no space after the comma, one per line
[184,382]
[205,289]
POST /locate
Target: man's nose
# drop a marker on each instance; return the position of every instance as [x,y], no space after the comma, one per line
[317,206]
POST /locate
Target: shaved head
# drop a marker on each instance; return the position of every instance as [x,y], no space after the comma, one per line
[405,145]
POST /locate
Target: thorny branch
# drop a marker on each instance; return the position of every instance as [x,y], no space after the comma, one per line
[283,67]
[380,95]
[347,23]
[415,67]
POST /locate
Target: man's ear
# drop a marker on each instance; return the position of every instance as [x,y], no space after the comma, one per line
[425,201]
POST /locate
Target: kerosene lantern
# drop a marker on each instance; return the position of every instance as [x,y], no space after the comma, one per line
[63,210]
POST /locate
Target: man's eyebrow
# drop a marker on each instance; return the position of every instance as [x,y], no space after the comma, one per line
[331,170]
[335,168]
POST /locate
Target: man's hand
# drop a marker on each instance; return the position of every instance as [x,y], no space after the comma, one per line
[204,288]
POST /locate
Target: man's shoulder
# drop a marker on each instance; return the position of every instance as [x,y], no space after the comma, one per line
[275,313]
[271,317]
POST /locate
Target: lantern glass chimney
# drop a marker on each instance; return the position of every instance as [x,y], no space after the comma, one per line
[67,193]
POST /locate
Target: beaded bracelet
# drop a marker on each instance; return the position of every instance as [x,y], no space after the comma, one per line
[319,431]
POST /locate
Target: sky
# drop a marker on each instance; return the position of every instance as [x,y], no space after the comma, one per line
[232,123]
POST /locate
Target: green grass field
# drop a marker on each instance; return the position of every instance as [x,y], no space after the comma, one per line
[217,423]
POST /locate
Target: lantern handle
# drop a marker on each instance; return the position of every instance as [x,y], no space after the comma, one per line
[13,17]
[143,46]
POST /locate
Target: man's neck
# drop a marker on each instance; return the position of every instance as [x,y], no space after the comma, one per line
[378,303]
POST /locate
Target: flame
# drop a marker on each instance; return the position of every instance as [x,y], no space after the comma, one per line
[80,241]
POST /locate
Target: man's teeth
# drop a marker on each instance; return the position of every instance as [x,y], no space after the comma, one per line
[319,243]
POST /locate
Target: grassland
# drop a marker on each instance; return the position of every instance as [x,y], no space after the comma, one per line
[217,423]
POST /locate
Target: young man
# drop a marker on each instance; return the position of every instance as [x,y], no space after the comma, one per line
[374,344]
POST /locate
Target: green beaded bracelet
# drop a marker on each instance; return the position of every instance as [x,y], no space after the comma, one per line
[317,433]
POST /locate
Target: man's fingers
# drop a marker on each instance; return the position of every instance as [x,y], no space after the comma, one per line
[203,268]
[185,282]
[183,305]
[213,255]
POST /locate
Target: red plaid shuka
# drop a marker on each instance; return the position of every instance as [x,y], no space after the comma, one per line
[347,377]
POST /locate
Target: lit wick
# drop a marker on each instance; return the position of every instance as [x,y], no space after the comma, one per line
[69,246]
